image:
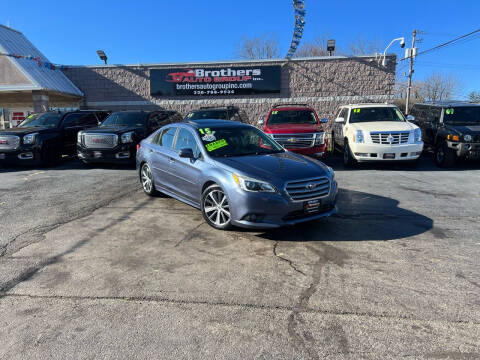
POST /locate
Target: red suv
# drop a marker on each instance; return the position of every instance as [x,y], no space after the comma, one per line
[297,128]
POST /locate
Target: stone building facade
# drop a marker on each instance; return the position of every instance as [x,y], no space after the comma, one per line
[324,83]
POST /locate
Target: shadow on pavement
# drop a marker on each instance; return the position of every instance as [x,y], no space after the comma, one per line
[361,217]
[66,164]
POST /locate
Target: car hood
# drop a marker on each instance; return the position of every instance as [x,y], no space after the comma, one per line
[384,126]
[275,168]
[292,128]
[464,129]
[20,131]
[112,130]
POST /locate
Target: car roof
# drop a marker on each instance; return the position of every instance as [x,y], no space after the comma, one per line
[449,103]
[214,122]
[366,105]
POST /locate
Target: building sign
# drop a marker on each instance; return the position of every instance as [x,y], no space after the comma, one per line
[215,81]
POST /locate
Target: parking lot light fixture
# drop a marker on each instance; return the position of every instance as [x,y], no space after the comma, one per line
[383,56]
[101,54]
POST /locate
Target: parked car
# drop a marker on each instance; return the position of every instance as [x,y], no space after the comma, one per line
[224,113]
[375,132]
[116,139]
[235,174]
[43,138]
[451,129]
[297,128]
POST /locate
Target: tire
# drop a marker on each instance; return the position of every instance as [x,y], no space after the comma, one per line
[146,179]
[215,208]
[444,156]
[348,159]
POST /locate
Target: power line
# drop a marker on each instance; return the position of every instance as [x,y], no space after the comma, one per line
[446,43]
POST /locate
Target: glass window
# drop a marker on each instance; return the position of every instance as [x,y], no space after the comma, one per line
[51,120]
[344,114]
[88,120]
[462,115]
[186,140]
[237,141]
[166,138]
[71,120]
[292,117]
[122,119]
[370,114]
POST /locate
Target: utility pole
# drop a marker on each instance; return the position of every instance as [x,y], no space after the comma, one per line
[409,86]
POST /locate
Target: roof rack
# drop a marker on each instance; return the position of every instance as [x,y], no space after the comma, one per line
[218,107]
[290,104]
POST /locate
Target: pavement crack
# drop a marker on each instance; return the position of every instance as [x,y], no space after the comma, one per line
[289,262]
[190,235]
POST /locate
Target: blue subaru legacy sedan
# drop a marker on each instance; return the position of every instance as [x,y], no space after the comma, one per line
[235,174]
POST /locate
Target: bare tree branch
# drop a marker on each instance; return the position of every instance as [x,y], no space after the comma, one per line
[317,47]
[258,47]
[361,46]
[438,87]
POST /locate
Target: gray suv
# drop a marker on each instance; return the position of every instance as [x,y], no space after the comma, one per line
[235,174]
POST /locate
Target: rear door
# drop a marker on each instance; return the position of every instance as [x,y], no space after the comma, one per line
[186,172]
[338,127]
[71,125]
[160,153]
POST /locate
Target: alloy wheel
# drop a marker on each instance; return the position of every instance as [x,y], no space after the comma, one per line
[216,208]
[146,178]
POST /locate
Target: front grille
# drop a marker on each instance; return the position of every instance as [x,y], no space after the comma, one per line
[300,214]
[295,141]
[9,142]
[390,138]
[308,189]
[100,141]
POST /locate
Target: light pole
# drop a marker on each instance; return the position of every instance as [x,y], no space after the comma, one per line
[101,54]
[383,56]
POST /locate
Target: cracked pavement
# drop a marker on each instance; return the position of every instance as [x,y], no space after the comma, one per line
[92,268]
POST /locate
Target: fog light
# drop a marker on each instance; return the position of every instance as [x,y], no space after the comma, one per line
[361,154]
[256,218]
[25,156]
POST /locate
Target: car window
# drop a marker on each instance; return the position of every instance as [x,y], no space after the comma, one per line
[186,140]
[166,138]
[88,120]
[71,120]
[370,114]
[344,114]
[102,115]
[292,117]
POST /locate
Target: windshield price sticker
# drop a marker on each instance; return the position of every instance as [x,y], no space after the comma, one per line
[449,111]
[216,145]
[356,111]
[274,112]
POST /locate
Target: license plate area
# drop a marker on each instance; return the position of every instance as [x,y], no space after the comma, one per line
[2,156]
[389,156]
[312,206]
[97,154]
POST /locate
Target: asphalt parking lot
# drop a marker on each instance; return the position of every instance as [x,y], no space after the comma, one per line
[92,268]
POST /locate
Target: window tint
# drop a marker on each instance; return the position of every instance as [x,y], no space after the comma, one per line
[72,120]
[102,115]
[186,140]
[344,114]
[88,120]
[166,138]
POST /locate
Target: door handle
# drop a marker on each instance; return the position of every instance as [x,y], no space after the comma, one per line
[172,160]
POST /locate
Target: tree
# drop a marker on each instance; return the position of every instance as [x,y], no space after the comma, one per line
[258,47]
[317,47]
[438,87]
[474,97]
[361,46]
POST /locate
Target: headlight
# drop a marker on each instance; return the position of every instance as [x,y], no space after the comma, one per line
[30,139]
[467,137]
[79,137]
[127,137]
[319,138]
[417,135]
[253,185]
[358,137]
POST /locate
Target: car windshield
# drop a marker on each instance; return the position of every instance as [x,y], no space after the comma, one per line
[237,141]
[462,115]
[370,114]
[208,114]
[292,117]
[126,119]
[51,120]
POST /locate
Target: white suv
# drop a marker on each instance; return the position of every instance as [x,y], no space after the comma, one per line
[375,132]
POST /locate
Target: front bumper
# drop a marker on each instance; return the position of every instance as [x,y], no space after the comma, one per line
[123,153]
[25,155]
[317,151]
[465,150]
[377,152]
[275,210]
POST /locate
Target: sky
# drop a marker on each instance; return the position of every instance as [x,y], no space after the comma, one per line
[165,31]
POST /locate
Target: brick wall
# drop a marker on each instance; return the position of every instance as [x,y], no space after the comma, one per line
[324,83]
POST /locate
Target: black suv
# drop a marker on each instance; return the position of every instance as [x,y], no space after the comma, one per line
[116,139]
[222,113]
[43,138]
[451,129]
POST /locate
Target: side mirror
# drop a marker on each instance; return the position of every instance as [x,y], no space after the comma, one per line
[410,118]
[340,120]
[324,121]
[261,122]
[186,153]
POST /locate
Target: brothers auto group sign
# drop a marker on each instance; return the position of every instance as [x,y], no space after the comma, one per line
[215,81]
